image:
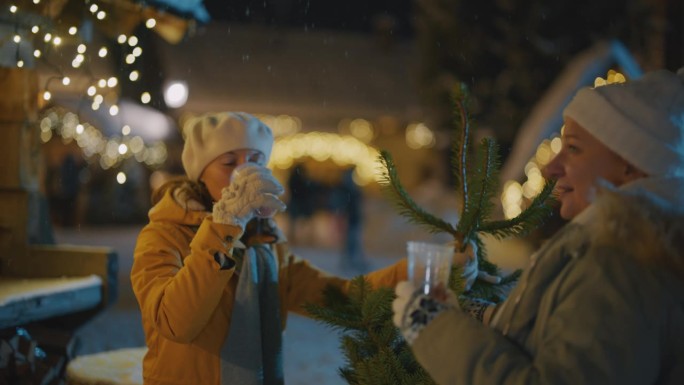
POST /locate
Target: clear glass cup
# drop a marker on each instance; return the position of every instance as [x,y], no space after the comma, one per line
[429,266]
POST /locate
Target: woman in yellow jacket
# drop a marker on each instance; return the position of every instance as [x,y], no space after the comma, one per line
[214,294]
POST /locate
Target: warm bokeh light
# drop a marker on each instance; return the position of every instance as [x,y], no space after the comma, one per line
[343,150]
[418,136]
[176,94]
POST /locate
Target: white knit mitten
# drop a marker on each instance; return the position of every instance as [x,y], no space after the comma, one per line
[413,310]
[253,188]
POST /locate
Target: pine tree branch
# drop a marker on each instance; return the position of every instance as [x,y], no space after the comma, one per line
[528,220]
[461,144]
[407,207]
[483,187]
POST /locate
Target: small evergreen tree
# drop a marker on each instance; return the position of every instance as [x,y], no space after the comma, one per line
[374,350]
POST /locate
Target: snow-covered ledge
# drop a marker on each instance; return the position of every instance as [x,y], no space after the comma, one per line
[24,300]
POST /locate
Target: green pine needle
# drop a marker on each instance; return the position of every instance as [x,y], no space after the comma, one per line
[407,207]
[525,222]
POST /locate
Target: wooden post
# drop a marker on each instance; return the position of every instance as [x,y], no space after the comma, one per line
[19,157]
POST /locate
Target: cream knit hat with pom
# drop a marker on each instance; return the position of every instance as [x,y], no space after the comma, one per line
[641,120]
[211,135]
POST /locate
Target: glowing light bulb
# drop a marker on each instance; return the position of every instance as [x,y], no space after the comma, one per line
[102,52]
[66,80]
[150,23]
[17,39]
[47,95]
[145,97]
[36,53]
[73,30]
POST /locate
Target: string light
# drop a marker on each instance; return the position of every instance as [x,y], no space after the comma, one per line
[111,151]
[150,155]
[121,177]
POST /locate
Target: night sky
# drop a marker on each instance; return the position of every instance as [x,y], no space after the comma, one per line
[349,15]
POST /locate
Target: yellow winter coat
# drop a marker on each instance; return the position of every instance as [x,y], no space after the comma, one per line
[186,299]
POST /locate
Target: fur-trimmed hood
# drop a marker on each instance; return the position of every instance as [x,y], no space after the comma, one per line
[645,218]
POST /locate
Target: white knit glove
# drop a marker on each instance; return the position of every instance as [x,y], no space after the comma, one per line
[468,259]
[254,187]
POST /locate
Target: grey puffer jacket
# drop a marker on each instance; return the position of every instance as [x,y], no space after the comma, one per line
[602,302]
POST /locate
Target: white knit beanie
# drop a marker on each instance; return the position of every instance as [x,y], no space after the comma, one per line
[641,120]
[211,135]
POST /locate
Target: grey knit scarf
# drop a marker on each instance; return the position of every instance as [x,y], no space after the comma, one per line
[252,353]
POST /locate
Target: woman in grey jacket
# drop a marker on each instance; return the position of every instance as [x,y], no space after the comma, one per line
[602,302]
